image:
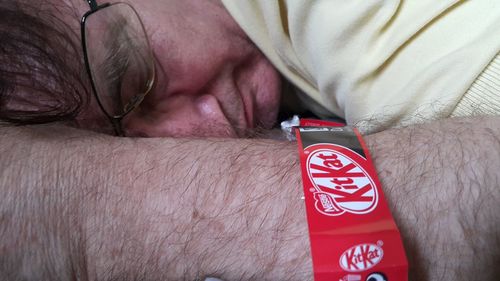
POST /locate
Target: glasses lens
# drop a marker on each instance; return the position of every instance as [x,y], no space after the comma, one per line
[120,57]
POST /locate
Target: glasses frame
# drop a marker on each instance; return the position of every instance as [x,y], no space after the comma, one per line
[135,101]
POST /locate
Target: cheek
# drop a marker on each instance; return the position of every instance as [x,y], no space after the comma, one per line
[92,118]
[181,116]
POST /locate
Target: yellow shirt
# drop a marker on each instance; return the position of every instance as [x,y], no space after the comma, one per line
[382,63]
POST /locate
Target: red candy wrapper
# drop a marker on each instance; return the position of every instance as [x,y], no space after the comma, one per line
[352,233]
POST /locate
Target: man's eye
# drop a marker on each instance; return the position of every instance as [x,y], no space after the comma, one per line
[115,67]
[116,64]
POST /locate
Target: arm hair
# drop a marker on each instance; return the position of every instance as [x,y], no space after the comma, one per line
[442,183]
[105,208]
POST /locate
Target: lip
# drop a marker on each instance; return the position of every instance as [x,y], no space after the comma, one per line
[259,88]
[239,116]
[248,108]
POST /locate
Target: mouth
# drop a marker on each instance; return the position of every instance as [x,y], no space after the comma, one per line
[260,92]
[238,112]
[248,109]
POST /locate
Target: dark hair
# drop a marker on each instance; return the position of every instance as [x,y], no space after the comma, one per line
[42,78]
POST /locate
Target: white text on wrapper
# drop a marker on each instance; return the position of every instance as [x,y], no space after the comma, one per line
[361,257]
[340,184]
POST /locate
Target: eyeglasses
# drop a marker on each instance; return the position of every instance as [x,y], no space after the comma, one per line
[118,59]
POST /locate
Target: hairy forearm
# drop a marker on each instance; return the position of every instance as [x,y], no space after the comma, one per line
[166,209]
[442,182]
[182,209]
[185,209]
[40,230]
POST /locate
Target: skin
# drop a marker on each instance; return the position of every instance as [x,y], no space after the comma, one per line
[83,206]
[212,80]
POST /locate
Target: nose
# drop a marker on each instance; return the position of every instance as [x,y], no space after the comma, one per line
[180,116]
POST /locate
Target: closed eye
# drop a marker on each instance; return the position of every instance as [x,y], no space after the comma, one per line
[116,62]
[127,68]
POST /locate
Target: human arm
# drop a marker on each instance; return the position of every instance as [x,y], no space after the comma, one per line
[442,183]
[153,209]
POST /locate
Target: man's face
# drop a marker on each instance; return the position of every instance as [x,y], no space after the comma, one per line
[211,79]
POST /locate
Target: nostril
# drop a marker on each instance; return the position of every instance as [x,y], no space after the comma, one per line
[213,116]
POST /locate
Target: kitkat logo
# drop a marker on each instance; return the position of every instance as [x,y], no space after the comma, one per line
[340,181]
[361,257]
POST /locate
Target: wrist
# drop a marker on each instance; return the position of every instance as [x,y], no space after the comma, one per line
[440,180]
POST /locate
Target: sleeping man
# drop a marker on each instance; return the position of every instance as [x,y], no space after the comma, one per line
[91,198]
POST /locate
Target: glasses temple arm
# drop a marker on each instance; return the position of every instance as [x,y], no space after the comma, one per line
[117,126]
[93,4]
